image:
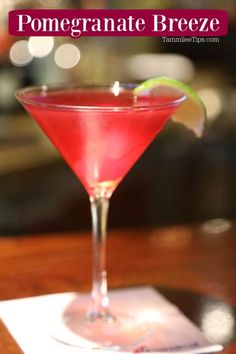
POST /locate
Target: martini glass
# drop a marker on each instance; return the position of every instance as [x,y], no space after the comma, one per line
[101,131]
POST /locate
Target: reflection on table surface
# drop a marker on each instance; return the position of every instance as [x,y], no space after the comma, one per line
[194,267]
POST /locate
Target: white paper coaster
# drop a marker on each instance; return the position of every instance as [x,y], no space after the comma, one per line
[30,321]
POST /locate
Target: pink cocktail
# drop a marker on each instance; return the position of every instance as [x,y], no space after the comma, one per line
[101,132]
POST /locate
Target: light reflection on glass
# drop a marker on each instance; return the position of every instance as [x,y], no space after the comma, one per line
[116,88]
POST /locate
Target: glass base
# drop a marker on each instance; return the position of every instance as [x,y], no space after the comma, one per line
[104,332]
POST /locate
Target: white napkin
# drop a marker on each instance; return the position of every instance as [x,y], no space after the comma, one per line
[30,321]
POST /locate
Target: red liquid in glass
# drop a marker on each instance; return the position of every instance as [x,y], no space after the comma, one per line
[100,135]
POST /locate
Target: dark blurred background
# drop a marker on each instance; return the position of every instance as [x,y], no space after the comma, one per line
[180,179]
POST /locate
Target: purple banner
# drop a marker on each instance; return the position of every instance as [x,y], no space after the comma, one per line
[77,23]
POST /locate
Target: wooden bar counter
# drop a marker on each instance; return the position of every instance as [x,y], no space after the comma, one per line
[193,267]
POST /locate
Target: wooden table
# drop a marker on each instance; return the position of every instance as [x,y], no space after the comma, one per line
[195,269]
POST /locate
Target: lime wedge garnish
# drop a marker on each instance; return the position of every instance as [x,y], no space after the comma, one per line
[191,112]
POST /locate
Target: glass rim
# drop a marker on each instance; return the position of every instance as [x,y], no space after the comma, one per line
[21,95]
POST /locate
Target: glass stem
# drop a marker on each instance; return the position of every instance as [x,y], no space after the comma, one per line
[100,299]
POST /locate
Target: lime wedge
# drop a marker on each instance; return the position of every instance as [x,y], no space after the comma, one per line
[191,112]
